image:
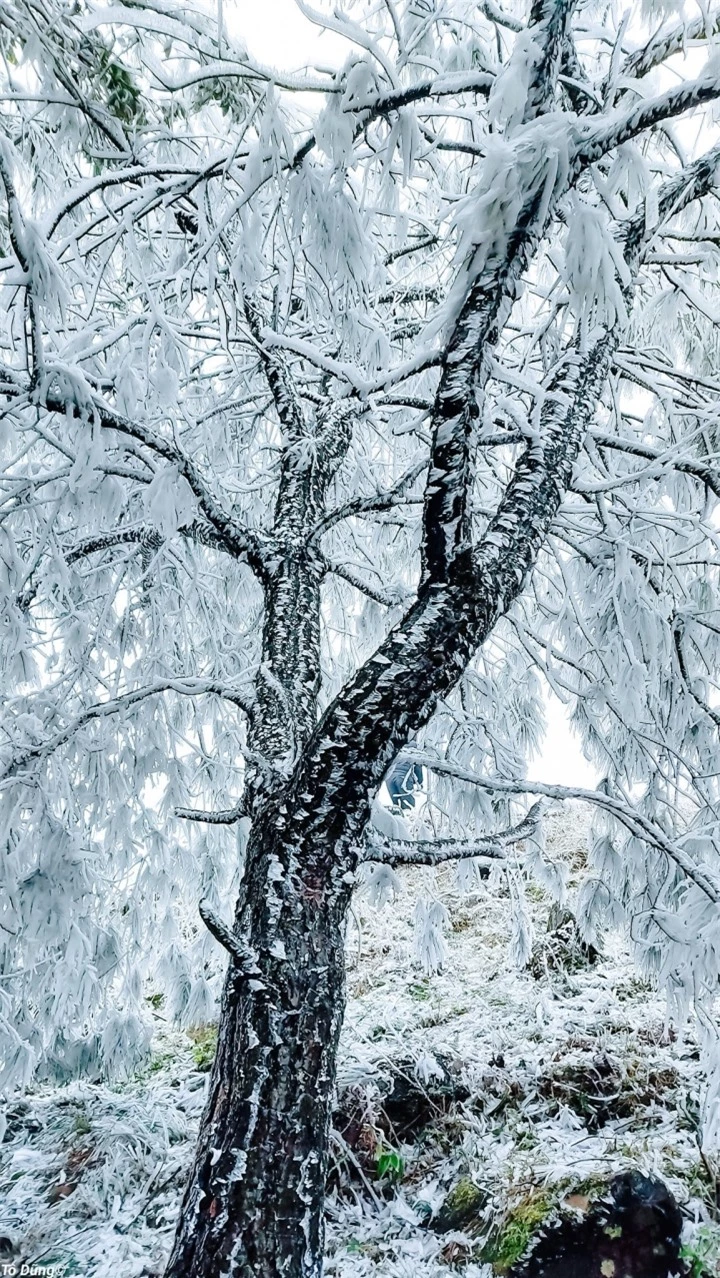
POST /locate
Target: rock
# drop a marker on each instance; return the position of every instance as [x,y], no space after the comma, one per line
[462,1206]
[633,1231]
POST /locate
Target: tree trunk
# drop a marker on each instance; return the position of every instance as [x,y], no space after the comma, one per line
[253,1207]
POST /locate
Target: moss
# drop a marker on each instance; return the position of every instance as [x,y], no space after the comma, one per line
[204,1044]
[511,1240]
[464,1203]
[158,1062]
[82,1124]
[420,991]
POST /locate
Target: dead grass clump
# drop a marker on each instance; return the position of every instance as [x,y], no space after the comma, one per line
[600,1089]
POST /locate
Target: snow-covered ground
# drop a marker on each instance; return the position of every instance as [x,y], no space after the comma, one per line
[567,1069]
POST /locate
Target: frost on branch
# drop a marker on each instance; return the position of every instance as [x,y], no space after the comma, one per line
[521,177]
[595,269]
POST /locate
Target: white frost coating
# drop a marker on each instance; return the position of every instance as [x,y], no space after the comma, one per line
[169,502]
[533,162]
[508,95]
[240,1166]
[381,884]
[595,269]
[431,918]
[335,126]
[276,873]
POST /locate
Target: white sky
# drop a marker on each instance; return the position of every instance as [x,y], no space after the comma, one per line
[275,32]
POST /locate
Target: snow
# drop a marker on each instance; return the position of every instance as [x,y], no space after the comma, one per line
[91,1175]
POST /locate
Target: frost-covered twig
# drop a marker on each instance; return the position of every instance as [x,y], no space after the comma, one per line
[630,817]
[663,45]
[243,543]
[647,114]
[223,816]
[436,851]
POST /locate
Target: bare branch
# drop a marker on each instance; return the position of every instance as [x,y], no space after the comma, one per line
[243,956]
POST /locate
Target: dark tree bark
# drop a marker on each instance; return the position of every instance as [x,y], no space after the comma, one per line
[253,1207]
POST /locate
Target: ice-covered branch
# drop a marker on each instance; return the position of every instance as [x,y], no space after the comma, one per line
[599,139]
[374,503]
[662,460]
[515,202]
[436,851]
[240,542]
[549,29]
[633,820]
[222,816]
[666,43]
[117,705]
[380,594]
[287,401]
[243,956]
[709,710]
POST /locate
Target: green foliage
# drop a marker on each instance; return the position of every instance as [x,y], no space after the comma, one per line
[204,1045]
[82,1124]
[159,1061]
[389,1165]
[464,1203]
[420,991]
[226,94]
[702,1253]
[122,96]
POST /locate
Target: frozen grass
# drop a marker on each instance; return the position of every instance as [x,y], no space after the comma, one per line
[568,1074]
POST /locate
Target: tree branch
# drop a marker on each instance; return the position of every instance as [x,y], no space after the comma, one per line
[240,542]
[242,955]
[637,824]
[436,851]
[664,459]
[665,44]
[645,115]
[184,687]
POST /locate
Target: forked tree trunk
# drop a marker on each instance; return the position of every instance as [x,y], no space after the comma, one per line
[253,1207]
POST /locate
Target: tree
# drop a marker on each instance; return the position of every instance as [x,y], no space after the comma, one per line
[342,411]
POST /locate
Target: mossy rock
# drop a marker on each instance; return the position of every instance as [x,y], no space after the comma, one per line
[628,1227]
[462,1208]
[510,1240]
